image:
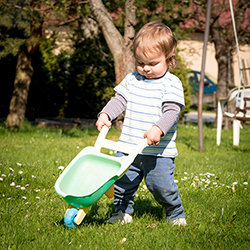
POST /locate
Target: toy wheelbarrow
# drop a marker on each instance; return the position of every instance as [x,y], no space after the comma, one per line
[91,174]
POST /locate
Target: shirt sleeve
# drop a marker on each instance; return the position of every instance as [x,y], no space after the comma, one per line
[173,93]
[170,114]
[115,106]
[123,87]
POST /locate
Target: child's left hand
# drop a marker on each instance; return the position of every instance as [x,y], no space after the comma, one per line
[153,135]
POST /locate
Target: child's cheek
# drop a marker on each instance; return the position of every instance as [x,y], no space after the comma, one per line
[139,69]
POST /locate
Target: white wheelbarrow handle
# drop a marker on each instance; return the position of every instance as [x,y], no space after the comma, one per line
[132,151]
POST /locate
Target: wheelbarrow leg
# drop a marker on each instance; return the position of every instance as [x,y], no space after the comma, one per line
[111,191]
[81,215]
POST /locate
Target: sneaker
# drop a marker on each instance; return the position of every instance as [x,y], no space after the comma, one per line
[179,222]
[120,216]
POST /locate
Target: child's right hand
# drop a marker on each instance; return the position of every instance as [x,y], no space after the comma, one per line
[102,120]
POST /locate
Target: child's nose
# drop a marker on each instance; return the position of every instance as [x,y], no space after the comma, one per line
[146,68]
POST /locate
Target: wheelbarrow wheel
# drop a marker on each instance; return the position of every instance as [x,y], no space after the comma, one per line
[70,217]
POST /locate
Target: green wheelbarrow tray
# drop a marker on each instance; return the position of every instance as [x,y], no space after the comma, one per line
[91,173]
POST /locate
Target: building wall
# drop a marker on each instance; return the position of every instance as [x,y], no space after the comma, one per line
[191,51]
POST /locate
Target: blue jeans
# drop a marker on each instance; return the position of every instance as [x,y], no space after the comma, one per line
[159,178]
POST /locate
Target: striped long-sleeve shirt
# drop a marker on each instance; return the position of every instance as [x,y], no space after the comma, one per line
[145,99]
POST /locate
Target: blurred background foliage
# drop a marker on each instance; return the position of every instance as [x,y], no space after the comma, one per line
[77,81]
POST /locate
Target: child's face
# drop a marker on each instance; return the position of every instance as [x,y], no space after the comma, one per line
[153,66]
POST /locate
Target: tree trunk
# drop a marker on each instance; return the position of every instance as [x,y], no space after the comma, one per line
[224,41]
[120,47]
[24,71]
[129,36]
[221,54]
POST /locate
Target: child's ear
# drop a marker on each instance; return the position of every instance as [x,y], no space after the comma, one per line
[171,57]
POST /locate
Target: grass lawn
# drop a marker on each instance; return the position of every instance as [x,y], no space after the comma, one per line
[213,185]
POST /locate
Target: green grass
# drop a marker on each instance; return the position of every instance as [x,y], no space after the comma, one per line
[218,215]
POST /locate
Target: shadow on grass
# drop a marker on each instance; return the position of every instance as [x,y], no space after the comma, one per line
[142,207]
[145,206]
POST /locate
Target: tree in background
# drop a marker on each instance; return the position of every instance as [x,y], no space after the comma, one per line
[82,70]
[221,33]
[224,41]
[169,12]
[120,46]
[24,69]
[26,17]
[78,82]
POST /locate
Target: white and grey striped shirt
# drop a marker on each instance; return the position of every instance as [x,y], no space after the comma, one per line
[144,108]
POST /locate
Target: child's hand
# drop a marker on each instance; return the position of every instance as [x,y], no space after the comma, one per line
[153,135]
[103,119]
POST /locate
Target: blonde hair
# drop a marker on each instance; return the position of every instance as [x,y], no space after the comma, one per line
[156,37]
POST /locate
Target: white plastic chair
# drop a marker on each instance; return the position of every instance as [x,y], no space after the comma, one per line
[242,113]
